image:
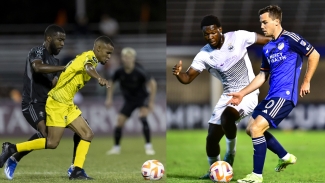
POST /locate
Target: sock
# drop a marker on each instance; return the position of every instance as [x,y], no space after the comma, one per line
[36,144]
[286,157]
[117,135]
[231,145]
[76,140]
[145,129]
[211,160]
[274,145]
[259,175]
[260,148]
[20,155]
[81,153]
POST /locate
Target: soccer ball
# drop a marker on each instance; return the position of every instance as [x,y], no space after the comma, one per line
[221,171]
[152,170]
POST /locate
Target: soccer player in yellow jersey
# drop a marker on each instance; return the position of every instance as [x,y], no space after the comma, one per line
[62,112]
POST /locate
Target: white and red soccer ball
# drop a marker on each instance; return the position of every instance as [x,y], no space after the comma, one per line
[152,170]
[221,171]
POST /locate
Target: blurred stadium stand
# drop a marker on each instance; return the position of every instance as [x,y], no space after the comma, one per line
[306,17]
[190,106]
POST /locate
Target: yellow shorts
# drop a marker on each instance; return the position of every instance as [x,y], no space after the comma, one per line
[60,114]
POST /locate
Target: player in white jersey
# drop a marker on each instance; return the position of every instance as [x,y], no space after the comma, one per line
[225,57]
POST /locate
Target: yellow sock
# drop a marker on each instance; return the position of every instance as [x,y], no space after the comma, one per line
[31,145]
[81,153]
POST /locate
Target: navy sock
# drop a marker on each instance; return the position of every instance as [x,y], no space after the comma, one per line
[260,147]
[274,145]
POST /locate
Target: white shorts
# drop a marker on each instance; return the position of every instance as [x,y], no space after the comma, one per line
[245,108]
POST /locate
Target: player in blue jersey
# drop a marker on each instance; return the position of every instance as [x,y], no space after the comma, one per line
[282,61]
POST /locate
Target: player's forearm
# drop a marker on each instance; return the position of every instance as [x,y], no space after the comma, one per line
[91,71]
[55,81]
[153,90]
[313,60]
[262,40]
[184,78]
[109,94]
[255,84]
[45,68]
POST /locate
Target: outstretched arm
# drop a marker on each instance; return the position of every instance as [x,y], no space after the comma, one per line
[312,63]
[152,84]
[262,40]
[184,77]
[40,67]
[255,84]
[109,94]
[91,71]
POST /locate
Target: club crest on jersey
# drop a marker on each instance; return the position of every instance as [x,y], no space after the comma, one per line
[95,59]
[230,47]
[280,46]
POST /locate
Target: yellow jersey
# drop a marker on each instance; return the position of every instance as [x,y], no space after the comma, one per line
[73,78]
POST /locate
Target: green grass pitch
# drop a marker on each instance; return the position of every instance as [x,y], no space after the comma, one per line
[186,157]
[51,165]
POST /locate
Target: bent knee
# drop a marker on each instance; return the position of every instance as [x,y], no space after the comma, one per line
[52,144]
[88,136]
[256,131]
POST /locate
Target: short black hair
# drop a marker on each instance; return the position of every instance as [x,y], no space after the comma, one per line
[105,40]
[51,30]
[210,20]
[274,11]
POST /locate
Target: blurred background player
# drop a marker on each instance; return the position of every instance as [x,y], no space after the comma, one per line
[61,112]
[134,81]
[282,59]
[225,57]
[41,74]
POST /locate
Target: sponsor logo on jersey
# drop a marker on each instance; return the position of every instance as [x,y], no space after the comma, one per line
[276,57]
[303,43]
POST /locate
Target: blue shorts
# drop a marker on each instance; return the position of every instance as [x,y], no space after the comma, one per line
[274,110]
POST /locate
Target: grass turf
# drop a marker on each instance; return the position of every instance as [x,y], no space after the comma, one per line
[186,157]
[51,165]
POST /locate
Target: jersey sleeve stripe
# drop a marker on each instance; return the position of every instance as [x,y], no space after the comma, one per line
[310,51]
[293,36]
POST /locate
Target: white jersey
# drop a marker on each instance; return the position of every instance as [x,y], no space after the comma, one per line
[230,64]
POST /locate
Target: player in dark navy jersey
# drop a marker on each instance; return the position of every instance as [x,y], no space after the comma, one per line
[41,74]
[282,61]
[133,81]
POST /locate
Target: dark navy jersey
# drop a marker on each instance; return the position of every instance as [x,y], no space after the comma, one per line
[37,85]
[133,85]
[283,58]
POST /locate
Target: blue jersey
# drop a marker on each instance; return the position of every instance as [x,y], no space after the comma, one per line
[283,58]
